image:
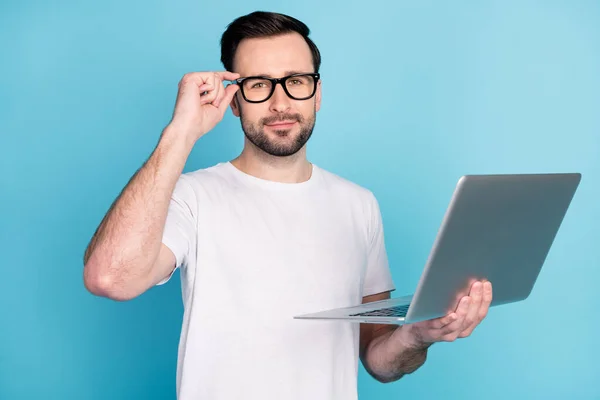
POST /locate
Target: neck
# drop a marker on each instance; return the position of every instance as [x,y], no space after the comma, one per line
[291,169]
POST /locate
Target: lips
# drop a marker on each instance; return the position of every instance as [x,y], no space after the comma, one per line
[281,124]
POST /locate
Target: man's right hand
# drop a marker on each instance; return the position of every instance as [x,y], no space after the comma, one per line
[201,102]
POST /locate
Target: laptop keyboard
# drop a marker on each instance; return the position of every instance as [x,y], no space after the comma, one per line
[398,311]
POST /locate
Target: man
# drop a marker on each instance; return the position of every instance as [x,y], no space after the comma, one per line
[262,238]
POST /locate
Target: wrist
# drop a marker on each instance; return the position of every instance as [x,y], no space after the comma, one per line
[410,338]
[171,152]
[175,137]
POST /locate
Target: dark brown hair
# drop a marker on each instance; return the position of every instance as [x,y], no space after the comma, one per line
[263,24]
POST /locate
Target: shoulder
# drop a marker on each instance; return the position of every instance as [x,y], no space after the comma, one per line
[205,177]
[349,189]
[196,184]
[359,198]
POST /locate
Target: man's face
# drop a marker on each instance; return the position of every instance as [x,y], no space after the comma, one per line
[280,126]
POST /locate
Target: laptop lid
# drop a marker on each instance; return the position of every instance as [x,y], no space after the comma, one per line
[496,227]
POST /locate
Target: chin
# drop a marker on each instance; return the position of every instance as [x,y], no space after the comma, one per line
[285,136]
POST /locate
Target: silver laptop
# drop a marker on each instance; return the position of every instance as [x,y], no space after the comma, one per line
[497,227]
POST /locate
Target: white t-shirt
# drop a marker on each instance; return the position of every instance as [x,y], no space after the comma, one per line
[253,254]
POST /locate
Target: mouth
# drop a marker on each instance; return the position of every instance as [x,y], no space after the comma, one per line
[281,124]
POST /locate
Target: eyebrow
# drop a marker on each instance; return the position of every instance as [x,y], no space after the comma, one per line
[286,73]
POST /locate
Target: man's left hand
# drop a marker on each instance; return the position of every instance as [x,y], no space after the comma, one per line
[471,310]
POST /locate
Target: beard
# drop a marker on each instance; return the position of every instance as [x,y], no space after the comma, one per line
[257,136]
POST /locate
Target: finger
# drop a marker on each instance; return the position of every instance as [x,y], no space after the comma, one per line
[205,76]
[461,312]
[203,81]
[208,97]
[483,309]
[194,78]
[206,87]
[219,95]
[229,76]
[472,317]
[230,91]
[213,94]
[486,301]
[221,91]
[198,84]
[439,323]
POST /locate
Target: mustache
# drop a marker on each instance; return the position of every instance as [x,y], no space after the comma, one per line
[282,117]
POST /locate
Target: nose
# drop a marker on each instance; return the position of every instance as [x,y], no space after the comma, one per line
[280,102]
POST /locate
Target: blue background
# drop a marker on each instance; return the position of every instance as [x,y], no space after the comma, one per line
[415,94]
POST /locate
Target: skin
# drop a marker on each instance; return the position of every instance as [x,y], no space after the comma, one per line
[125,256]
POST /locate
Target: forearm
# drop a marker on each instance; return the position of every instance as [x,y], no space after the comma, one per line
[390,356]
[127,242]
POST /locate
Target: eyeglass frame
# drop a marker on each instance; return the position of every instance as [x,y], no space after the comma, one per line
[274,81]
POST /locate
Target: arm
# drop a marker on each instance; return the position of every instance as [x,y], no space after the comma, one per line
[384,354]
[126,256]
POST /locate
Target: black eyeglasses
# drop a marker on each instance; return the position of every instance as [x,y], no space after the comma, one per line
[257,89]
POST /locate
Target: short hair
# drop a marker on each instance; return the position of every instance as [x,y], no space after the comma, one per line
[261,24]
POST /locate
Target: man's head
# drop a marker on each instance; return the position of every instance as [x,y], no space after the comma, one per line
[277,120]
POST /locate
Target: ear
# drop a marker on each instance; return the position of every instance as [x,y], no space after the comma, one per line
[235,105]
[318,97]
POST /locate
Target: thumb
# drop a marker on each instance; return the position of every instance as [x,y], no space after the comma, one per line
[230,91]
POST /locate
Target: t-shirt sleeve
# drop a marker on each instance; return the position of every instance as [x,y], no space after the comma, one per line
[378,277]
[180,227]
